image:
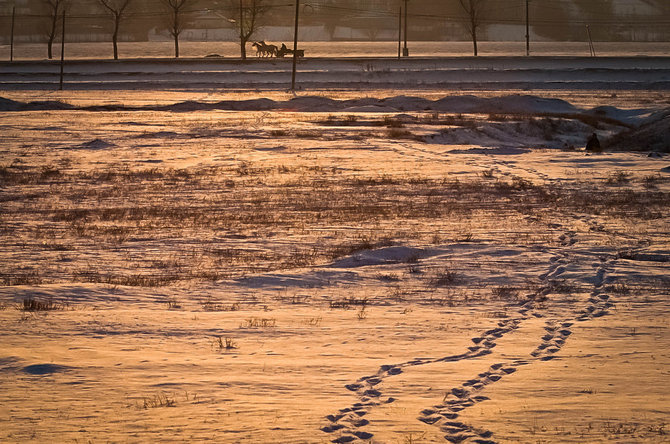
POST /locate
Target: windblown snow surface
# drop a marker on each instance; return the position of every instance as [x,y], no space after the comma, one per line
[421,267]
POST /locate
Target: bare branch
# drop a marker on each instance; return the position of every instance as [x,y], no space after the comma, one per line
[116,8]
[176,25]
[55,8]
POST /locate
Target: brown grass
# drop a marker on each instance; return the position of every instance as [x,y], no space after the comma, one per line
[259,323]
[118,210]
[30,304]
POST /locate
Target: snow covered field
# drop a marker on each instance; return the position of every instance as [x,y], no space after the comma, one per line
[417,265]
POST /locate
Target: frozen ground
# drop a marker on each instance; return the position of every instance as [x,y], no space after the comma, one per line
[435,266]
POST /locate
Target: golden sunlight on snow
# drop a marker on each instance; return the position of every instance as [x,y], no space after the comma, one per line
[300,269]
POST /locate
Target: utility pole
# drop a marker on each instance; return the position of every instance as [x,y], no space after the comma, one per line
[244,49]
[405,51]
[62,53]
[527,30]
[11,44]
[399,29]
[592,48]
[295,44]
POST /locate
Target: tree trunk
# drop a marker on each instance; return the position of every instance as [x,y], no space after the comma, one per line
[176,30]
[243,40]
[52,35]
[474,36]
[474,42]
[115,38]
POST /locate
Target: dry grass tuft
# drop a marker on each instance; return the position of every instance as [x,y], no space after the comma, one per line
[210,305]
[158,400]
[444,278]
[221,343]
[259,323]
[505,293]
[347,303]
[30,304]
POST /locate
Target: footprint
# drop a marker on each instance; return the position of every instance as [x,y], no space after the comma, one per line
[360,423]
[460,393]
[332,428]
[457,438]
[430,419]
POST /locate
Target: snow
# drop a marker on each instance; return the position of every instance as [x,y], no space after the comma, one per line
[473,275]
[388,255]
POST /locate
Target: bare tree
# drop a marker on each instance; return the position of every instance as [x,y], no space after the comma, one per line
[474,9]
[116,9]
[247,20]
[177,22]
[54,8]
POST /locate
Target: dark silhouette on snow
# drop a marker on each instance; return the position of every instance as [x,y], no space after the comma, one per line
[284,50]
[593,144]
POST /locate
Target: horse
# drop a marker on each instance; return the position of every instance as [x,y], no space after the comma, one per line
[272,50]
[260,50]
[264,50]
